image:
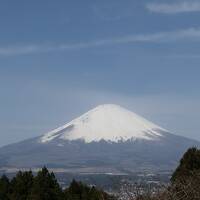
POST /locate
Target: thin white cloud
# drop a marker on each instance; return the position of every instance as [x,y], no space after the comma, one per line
[25,49]
[173,8]
[178,35]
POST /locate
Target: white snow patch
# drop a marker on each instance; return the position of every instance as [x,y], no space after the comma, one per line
[106,122]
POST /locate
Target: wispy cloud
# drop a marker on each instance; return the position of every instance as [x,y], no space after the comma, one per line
[178,35]
[15,50]
[173,8]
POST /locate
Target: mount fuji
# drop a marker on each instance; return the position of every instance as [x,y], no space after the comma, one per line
[107,139]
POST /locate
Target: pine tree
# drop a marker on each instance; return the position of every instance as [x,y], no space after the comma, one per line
[73,192]
[4,187]
[186,178]
[80,191]
[20,185]
[189,165]
[45,187]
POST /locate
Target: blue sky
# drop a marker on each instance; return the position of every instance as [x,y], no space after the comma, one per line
[61,58]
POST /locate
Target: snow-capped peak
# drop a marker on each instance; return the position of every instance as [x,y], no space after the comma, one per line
[106,122]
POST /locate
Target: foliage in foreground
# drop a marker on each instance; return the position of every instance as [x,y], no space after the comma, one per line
[185,181]
[44,186]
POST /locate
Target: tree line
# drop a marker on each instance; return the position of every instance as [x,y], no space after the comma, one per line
[44,186]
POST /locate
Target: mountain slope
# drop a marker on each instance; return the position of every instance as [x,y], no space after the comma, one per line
[107,139]
[106,122]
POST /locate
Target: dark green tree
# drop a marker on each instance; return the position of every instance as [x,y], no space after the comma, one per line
[45,187]
[74,191]
[20,185]
[80,191]
[186,178]
[189,165]
[4,187]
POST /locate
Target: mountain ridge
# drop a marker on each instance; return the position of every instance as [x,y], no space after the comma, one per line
[160,150]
